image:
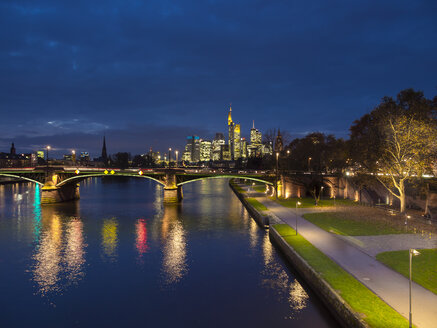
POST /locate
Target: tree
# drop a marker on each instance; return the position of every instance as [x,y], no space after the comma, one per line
[121,160]
[396,141]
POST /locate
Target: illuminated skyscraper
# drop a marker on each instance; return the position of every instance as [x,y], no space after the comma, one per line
[192,149]
[205,150]
[255,148]
[243,144]
[231,133]
[237,142]
[217,142]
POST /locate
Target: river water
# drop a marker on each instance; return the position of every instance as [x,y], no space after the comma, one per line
[119,258]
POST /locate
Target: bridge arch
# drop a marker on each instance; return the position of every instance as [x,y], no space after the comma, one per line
[86,176]
[21,178]
[226,177]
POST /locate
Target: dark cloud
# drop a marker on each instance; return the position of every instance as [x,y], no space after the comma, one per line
[301,66]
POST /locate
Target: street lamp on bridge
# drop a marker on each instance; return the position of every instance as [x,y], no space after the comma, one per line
[47,155]
[177,152]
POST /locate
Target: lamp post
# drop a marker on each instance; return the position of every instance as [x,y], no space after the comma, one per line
[169,157]
[177,152]
[276,180]
[415,253]
[297,204]
[47,155]
[73,157]
[309,164]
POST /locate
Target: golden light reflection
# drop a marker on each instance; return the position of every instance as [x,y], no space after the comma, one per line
[298,297]
[253,233]
[74,251]
[110,239]
[141,238]
[277,279]
[175,254]
[48,258]
[267,250]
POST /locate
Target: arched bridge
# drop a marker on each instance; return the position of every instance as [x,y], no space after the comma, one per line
[62,183]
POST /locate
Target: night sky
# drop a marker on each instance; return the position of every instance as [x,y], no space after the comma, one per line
[150,73]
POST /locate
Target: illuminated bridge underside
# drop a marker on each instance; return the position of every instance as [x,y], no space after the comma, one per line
[62,184]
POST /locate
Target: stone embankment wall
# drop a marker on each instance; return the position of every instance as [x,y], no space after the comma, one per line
[259,218]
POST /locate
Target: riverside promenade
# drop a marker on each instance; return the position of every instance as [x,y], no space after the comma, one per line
[389,285]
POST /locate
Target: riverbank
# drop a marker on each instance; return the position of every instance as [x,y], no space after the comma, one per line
[351,302]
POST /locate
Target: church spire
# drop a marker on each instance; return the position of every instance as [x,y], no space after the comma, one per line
[104,153]
[253,124]
[13,151]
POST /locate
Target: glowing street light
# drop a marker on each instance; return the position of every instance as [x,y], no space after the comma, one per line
[415,253]
[297,204]
[47,154]
[276,180]
[177,153]
[309,164]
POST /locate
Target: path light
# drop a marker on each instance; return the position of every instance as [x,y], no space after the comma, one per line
[415,253]
[297,204]
[140,172]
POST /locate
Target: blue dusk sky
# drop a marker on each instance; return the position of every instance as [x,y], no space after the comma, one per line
[149,73]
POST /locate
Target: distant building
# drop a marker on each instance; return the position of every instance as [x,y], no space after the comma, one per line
[40,154]
[234,137]
[267,149]
[255,148]
[225,153]
[13,151]
[84,157]
[12,159]
[192,150]
[279,146]
[205,150]
[243,148]
[217,143]
[104,157]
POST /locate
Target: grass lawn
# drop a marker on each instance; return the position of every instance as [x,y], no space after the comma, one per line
[237,188]
[341,224]
[309,202]
[256,204]
[424,266]
[260,188]
[375,312]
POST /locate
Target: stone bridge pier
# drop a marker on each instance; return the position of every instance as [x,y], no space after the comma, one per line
[51,193]
[172,192]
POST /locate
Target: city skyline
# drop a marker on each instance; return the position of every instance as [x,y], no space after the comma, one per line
[134,71]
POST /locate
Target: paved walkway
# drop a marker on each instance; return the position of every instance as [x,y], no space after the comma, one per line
[391,286]
[373,245]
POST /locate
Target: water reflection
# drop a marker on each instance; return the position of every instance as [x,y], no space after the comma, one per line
[141,238]
[109,239]
[74,250]
[174,264]
[37,213]
[59,255]
[48,257]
